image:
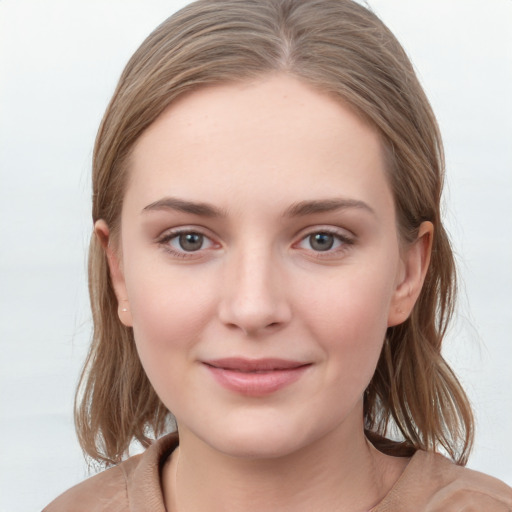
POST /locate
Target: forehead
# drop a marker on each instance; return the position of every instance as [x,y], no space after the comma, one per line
[273,140]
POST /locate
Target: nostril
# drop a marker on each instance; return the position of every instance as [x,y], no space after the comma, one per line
[253,314]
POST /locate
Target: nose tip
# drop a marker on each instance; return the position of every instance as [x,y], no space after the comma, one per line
[254,299]
[252,317]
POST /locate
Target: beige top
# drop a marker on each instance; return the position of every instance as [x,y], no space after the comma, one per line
[430,483]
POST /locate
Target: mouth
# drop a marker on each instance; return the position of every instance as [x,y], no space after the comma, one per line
[254,365]
[256,377]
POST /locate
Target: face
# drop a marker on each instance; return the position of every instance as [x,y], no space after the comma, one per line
[259,264]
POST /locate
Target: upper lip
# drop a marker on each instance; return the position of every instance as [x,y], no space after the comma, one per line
[253,365]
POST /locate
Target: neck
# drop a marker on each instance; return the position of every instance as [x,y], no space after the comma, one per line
[331,474]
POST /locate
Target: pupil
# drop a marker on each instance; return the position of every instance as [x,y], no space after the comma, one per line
[191,241]
[321,241]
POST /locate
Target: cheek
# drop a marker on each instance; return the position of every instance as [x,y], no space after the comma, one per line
[348,319]
[169,317]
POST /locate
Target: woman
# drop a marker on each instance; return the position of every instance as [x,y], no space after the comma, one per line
[269,265]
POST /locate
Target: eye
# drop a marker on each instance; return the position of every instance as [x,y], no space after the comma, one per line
[182,242]
[188,242]
[324,241]
[321,241]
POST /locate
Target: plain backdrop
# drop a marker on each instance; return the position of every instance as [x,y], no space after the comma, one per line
[59,63]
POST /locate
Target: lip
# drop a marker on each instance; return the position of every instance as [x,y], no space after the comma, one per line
[255,377]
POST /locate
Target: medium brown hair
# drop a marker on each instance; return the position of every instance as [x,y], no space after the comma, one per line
[341,49]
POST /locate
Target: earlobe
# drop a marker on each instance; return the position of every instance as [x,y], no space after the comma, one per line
[102,232]
[415,265]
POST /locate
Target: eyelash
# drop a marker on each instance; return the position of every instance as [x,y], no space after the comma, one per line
[164,241]
[344,241]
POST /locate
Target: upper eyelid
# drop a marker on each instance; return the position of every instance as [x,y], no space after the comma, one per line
[172,232]
[332,230]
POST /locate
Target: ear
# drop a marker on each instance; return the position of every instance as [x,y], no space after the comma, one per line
[102,232]
[415,262]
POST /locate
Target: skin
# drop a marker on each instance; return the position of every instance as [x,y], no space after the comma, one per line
[258,286]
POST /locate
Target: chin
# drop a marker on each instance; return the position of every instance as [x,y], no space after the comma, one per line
[257,446]
[259,439]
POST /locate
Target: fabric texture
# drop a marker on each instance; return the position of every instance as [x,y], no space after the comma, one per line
[429,483]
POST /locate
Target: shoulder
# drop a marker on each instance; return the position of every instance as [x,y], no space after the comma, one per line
[459,486]
[104,491]
[433,483]
[122,488]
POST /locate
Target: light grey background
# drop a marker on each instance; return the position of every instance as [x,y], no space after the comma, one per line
[59,62]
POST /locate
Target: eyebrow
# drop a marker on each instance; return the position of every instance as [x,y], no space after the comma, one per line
[299,209]
[303,208]
[181,205]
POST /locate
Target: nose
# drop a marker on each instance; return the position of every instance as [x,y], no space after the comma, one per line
[254,296]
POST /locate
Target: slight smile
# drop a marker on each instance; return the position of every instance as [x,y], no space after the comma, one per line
[255,377]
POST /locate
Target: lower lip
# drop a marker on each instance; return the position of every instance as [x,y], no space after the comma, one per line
[257,383]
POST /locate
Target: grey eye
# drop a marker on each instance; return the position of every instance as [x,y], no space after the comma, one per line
[321,241]
[190,242]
